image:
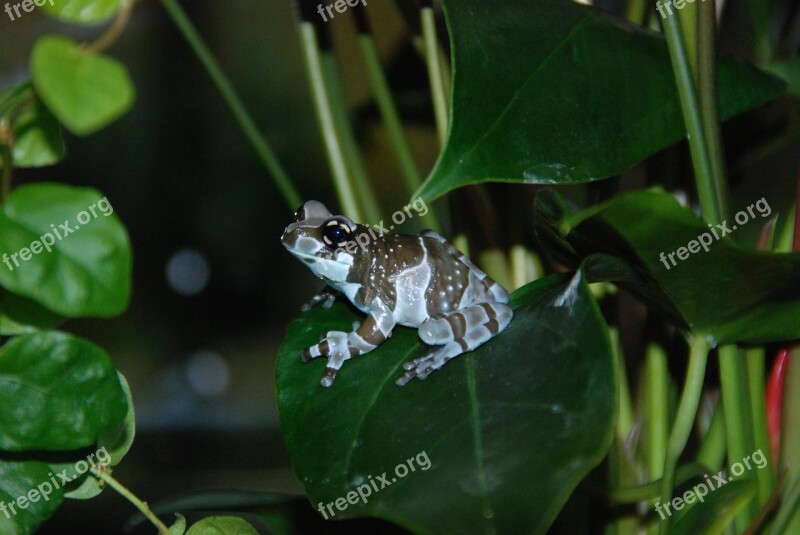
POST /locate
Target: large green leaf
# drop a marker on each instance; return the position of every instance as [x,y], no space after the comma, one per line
[29,484]
[37,134]
[508,430]
[222,525]
[86,272]
[57,392]
[556,92]
[85,90]
[730,292]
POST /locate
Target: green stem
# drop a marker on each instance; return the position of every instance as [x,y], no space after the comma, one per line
[754,360]
[707,94]
[433,60]
[738,421]
[713,449]
[712,200]
[625,412]
[345,189]
[657,407]
[684,419]
[128,495]
[790,439]
[394,126]
[224,86]
[365,197]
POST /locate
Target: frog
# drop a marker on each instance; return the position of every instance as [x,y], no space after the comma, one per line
[419,281]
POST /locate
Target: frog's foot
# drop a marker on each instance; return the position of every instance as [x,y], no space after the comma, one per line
[460,331]
[337,348]
[326,297]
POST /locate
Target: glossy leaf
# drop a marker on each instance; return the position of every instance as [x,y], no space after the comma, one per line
[508,430]
[82,11]
[57,392]
[556,92]
[28,479]
[115,444]
[86,91]
[222,525]
[37,134]
[732,293]
[87,270]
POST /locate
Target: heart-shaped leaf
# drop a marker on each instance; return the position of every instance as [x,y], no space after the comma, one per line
[497,439]
[556,92]
[82,11]
[28,496]
[65,248]
[57,392]
[37,134]
[85,90]
[730,292]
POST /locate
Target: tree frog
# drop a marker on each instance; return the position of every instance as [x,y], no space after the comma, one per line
[416,281]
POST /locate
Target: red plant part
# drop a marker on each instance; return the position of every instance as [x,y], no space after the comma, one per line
[774,400]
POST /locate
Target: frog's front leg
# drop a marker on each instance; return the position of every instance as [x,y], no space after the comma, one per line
[327,296]
[339,346]
[460,331]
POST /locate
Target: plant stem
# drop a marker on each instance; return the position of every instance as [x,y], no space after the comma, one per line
[657,407]
[738,420]
[711,194]
[345,189]
[224,86]
[394,126]
[365,197]
[433,60]
[707,94]
[115,30]
[684,419]
[128,495]
[712,450]
[754,361]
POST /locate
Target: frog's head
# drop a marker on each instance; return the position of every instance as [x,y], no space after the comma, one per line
[318,238]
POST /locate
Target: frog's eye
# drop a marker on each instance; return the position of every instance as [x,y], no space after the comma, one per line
[336,233]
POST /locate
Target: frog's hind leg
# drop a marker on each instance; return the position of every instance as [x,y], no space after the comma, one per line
[500,294]
[460,331]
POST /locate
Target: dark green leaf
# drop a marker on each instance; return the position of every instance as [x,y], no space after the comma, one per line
[20,315]
[555,92]
[789,70]
[509,429]
[113,445]
[37,134]
[85,90]
[86,272]
[82,11]
[57,392]
[732,293]
[222,525]
[28,479]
